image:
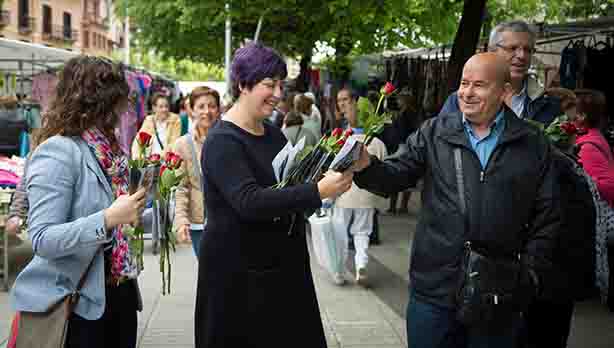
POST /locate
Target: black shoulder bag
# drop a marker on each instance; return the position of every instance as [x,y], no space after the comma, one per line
[488,283]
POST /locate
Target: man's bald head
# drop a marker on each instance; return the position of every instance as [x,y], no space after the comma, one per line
[491,63]
[485,83]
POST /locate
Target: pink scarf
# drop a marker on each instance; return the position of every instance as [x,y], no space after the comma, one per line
[115,166]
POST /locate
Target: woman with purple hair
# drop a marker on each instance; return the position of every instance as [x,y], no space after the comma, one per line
[255,287]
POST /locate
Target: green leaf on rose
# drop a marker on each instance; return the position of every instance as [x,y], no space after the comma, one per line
[168,178]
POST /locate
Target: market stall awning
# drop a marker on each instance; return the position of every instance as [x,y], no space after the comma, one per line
[28,57]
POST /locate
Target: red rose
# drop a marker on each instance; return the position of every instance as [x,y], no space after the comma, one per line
[336,132]
[569,128]
[162,169]
[168,156]
[155,157]
[143,139]
[348,133]
[173,160]
[176,162]
[340,142]
[388,88]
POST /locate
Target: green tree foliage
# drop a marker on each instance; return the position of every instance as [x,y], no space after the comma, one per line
[195,29]
[178,69]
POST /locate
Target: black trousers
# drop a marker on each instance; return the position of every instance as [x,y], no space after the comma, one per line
[117,328]
[611,280]
[548,324]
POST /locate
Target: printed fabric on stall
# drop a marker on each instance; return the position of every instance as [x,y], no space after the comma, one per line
[133,117]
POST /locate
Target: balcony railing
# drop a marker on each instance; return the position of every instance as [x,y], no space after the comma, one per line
[5,18]
[60,33]
[26,25]
[95,19]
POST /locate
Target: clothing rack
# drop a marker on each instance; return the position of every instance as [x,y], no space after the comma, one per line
[4,245]
[608,32]
[26,69]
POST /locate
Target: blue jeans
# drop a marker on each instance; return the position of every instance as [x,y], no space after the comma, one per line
[196,235]
[432,326]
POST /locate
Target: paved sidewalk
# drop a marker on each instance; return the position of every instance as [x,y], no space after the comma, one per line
[352,316]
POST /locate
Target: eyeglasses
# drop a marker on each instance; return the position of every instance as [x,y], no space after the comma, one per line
[511,50]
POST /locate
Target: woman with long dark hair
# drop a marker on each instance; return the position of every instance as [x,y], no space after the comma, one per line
[77,184]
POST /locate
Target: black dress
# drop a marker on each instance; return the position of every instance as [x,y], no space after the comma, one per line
[254,280]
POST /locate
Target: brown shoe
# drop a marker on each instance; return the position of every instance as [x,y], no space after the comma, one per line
[361,277]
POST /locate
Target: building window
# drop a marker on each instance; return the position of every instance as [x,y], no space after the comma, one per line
[67,25]
[97,9]
[86,39]
[47,19]
[24,13]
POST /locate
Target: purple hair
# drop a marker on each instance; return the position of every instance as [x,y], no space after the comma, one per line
[252,64]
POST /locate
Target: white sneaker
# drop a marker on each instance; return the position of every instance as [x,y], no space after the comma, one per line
[361,277]
[338,279]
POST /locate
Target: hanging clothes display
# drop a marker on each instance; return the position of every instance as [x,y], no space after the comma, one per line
[132,118]
[424,77]
[586,63]
[8,84]
[12,124]
[598,73]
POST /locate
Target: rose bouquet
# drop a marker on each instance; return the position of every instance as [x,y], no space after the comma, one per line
[561,131]
[142,171]
[170,177]
[335,152]
[314,162]
[160,176]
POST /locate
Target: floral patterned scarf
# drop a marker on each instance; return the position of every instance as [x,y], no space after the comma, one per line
[115,166]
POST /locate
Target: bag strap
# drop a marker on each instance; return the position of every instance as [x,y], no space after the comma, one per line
[601,149]
[87,271]
[157,135]
[195,167]
[458,164]
[300,128]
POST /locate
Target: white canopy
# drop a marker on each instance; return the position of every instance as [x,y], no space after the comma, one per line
[33,57]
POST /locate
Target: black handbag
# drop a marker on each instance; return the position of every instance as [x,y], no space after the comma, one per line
[488,284]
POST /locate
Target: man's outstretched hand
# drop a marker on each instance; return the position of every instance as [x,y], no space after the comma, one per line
[363,162]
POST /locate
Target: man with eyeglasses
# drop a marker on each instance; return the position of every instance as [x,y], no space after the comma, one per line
[515,41]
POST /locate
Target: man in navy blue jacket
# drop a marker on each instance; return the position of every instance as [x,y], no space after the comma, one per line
[515,41]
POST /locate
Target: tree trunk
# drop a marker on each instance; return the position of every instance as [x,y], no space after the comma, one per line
[466,40]
[303,79]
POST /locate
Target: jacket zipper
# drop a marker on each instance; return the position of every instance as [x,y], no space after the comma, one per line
[492,157]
